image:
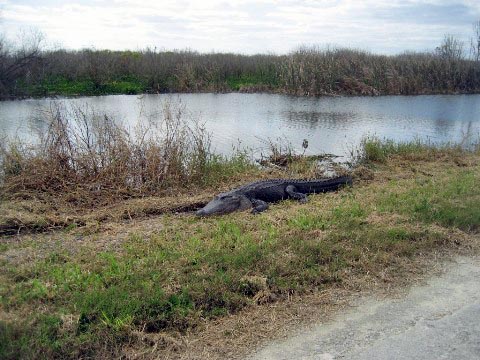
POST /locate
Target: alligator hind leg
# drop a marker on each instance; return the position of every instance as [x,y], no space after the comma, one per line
[258,206]
[294,194]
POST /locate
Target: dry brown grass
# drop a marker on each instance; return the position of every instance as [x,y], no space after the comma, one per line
[91,159]
[44,212]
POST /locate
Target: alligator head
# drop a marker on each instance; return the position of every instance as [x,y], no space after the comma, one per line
[224,204]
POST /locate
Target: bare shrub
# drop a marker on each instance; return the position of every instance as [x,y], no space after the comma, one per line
[92,157]
[475,41]
[18,59]
[451,48]
[279,152]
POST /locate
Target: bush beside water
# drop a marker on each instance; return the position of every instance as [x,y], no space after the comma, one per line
[92,157]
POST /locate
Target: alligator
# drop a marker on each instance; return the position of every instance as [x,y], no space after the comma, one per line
[257,195]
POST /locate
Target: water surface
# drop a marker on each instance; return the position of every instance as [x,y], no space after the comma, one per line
[333,125]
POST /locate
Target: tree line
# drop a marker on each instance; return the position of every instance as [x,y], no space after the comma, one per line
[27,70]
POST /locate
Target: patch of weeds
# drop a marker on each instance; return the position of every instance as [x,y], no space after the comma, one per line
[451,202]
[71,227]
[309,221]
[86,86]
[220,293]
[39,340]
[373,149]
[270,232]
[3,248]
[395,240]
[246,80]
[350,214]
[120,306]
[219,168]
[37,290]
[47,333]
[20,287]
[57,258]
[13,341]
[311,262]
[232,247]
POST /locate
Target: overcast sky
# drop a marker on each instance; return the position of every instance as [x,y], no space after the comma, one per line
[244,26]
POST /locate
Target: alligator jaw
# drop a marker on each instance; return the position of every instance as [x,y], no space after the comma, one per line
[220,205]
[225,204]
[201,213]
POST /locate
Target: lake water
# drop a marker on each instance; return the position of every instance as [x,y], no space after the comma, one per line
[330,124]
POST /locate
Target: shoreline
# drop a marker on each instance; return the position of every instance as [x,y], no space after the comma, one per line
[273,92]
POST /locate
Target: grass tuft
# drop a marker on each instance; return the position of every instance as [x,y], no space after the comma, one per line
[375,150]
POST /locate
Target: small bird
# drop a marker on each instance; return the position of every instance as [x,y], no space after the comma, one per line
[305,145]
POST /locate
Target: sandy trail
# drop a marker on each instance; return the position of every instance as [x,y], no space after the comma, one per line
[438,319]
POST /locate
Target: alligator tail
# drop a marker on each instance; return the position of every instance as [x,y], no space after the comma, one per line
[318,186]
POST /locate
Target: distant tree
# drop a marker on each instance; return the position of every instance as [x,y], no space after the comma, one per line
[475,42]
[15,58]
[451,48]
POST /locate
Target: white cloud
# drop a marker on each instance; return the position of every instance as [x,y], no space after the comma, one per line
[243,26]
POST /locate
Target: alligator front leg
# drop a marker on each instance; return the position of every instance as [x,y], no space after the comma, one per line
[294,194]
[258,206]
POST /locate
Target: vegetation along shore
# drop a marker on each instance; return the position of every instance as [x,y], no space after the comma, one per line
[33,71]
[101,254]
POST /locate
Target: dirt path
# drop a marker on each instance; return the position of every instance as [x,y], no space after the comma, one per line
[439,319]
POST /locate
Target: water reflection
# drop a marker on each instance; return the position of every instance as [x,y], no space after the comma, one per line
[311,119]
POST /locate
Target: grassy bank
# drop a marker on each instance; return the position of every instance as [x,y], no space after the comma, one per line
[98,292]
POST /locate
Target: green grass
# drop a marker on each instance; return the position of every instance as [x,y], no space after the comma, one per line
[66,87]
[452,203]
[220,168]
[130,85]
[250,80]
[378,150]
[191,269]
